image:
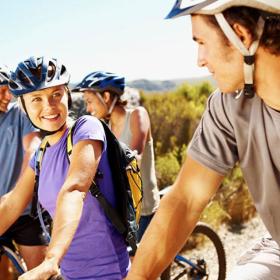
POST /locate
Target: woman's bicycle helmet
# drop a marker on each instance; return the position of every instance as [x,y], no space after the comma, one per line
[101,81]
[37,73]
[216,8]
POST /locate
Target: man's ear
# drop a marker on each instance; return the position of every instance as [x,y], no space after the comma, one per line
[244,34]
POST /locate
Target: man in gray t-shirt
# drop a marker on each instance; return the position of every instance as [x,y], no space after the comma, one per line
[18,141]
[240,46]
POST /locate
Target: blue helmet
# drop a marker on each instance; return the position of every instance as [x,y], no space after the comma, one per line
[37,73]
[101,81]
[5,74]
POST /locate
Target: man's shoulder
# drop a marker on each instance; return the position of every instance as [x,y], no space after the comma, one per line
[13,114]
[14,108]
[16,118]
[230,103]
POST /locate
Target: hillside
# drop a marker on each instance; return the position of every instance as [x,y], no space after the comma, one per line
[166,85]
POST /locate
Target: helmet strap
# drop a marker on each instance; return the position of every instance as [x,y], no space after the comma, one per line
[109,109]
[112,105]
[248,54]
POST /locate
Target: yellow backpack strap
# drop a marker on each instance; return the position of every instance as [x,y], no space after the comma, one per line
[44,144]
[69,145]
[69,142]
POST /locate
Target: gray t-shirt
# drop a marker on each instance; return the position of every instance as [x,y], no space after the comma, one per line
[248,131]
[13,127]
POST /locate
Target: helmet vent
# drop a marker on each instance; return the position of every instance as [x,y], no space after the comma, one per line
[24,79]
[51,71]
[63,70]
[13,85]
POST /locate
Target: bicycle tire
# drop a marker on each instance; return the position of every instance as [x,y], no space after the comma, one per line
[212,236]
[14,258]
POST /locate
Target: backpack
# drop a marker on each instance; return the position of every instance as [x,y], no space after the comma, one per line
[126,181]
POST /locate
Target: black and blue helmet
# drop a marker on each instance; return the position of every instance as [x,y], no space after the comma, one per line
[5,74]
[101,81]
[37,73]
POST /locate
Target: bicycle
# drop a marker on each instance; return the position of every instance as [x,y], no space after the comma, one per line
[10,256]
[202,257]
[12,259]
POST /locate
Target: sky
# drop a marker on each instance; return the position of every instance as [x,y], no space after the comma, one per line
[128,37]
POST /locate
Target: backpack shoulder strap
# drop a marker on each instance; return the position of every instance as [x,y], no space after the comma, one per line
[108,132]
[38,162]
[69,145]
[94,189]
[39,156]
[120,152]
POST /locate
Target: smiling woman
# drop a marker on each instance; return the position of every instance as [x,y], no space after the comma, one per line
[82,236]
[47,108]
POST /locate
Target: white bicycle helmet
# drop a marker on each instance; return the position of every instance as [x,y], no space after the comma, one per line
[216,8]
[5,74]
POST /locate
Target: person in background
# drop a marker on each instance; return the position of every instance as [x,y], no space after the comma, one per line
[239,43]
[84,243]
[18,141]
[103,93]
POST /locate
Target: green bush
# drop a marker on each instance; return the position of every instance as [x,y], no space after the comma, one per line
[167,167]
[175,115]
[214,214]
[235,198]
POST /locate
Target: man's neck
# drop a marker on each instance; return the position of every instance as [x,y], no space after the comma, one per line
[267,78]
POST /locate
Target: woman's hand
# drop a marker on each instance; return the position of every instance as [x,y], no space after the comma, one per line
[44,271]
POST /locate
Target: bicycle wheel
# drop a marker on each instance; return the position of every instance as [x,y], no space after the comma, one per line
[12,266]
[205,250]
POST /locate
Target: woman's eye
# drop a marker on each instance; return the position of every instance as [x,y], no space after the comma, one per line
[36,99]
[57,94]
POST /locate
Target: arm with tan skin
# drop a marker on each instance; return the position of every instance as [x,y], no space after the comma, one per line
[177,216]
[140,129]
[14,202]
[84,159]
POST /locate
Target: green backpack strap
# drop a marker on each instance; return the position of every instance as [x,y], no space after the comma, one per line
[110,212]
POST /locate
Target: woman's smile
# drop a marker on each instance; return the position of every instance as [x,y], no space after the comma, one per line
[53,117]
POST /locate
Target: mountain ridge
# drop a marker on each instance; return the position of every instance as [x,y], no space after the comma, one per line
[166,85]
